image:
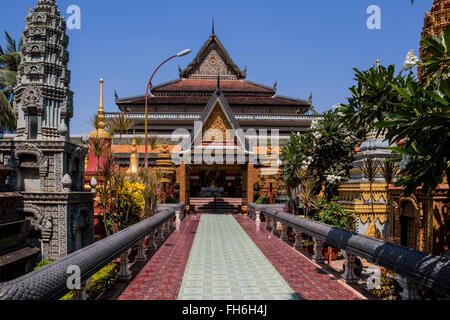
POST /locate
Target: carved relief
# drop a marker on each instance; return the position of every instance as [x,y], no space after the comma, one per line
[217,121]
[32,96]
[211,66]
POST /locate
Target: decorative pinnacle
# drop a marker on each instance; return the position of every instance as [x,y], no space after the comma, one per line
[378,63]
[101,111]
[212,26]
[134,144]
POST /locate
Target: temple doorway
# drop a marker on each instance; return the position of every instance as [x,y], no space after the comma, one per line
[220,181]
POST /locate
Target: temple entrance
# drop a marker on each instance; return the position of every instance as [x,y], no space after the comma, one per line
[220,181]
[217,188]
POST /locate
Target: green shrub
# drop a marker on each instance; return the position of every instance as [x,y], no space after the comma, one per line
[262,200]
[170,199]
[100,283]
[333,214]
[42,264]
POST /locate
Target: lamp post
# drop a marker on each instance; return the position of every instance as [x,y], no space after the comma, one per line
[180,54]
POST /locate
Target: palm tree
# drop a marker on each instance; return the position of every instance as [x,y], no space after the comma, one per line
[369,170]
[120,124]
[307,195]
[9,65]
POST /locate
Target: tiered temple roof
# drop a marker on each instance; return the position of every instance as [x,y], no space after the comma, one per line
[199,81]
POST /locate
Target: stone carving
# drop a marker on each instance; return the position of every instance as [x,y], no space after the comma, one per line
[31,96]
[67,182]
[48,166]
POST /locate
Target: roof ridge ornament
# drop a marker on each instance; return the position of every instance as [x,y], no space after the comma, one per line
[213,27]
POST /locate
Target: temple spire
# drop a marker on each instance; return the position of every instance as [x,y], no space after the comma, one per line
[134,158]
[100,132]
[213,31]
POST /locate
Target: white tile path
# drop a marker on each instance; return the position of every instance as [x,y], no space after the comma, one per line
[225,264]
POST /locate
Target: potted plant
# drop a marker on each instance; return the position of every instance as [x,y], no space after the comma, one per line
[333,214]
[308,246]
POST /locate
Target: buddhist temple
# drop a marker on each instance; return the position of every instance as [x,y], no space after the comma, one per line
[214,91]
[422,221]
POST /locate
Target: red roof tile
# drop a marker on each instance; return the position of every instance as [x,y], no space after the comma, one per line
[189,85]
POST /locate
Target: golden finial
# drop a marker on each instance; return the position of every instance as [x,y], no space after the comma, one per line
[101,133]
[134,144]
[134,159]
[378,63]
[100,106]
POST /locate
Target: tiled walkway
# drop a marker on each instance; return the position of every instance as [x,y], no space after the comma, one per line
[161,277]
[225,264]
[306,279]
[231,258]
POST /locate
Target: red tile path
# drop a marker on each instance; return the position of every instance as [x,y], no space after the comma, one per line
[162,276]
[306,279]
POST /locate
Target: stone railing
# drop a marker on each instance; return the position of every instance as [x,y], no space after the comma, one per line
[52,281]
[413,267]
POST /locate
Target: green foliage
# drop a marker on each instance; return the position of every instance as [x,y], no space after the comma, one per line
[325,151]
[436,62]
[100,283]
[389,288]
[372,99]
[170,199]
[263,200]
[422,120]
[43,263]
[9,65]
[331,213]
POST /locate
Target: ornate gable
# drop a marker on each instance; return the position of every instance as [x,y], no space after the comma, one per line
[217,121]
[213,60]
[217,116]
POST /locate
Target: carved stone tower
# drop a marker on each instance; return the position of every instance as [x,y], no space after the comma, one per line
[436,20]
[43,100]
[49,169]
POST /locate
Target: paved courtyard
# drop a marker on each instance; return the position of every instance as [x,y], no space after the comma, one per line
[225,257]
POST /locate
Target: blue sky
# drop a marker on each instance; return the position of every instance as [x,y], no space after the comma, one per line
[306,46]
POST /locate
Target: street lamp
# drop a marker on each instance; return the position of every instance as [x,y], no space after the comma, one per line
[179,54]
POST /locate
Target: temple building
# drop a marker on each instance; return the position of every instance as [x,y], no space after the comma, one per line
[211,92]
[47,168]
[422,221]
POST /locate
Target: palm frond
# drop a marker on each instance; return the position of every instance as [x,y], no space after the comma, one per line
[8,119]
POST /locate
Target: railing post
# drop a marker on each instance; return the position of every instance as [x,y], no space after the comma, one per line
[258,216]
[141,257]
[124,271]
[318,256]
[81,293]
[284,234]
[409,288]
[161,233]
[298,240]
[275,228]
[171,225]
[167,229]
[268,223]
[177,216]
[349,273]
[152,245]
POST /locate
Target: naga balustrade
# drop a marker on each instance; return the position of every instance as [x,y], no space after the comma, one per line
[51,281]
[413,267]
